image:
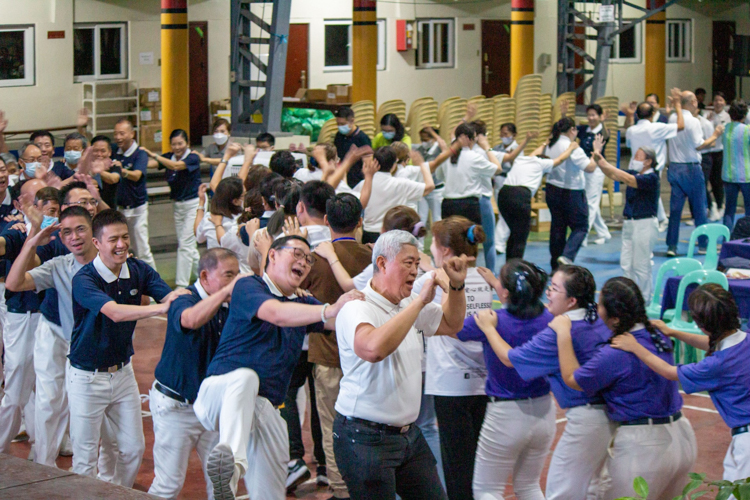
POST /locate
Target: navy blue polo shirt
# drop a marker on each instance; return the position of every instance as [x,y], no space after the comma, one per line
[245,238]
[97,341]
[131,194]
[184,184]
[643,202]
[187,353]
[249,342]
[108,192]
[62,170]
[6,206]
[587,139]
[50,308]
[17,302]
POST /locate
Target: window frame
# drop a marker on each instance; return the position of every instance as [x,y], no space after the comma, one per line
[382,45]
[638,59]
[687,26]
[431,23]
[124,61]
[29,55]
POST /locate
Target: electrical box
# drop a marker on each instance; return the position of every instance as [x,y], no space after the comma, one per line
[406,35]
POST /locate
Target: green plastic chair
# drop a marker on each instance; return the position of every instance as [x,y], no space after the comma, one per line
[680,267]
[714,232]
[700,278]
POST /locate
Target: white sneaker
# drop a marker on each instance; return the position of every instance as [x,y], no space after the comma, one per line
[220,469]
[690,222]
[585,242]
[721,213]
[600,241]
[663,225]
[564,261]
[713,215]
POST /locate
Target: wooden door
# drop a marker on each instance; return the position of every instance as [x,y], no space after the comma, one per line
[723,38]
[495,58]
[199,111]
[297,74]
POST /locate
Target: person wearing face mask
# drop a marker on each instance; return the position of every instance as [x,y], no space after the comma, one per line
[213,154]
[349,135]
[11,165]
[391,130]
[45,141]
[430,147]
[595,179]
[75,143]
[29,160]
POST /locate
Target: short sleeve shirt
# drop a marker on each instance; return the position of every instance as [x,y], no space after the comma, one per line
[642,202]
[57,274]
[131,194]
[682,146]
[17,302]
[62,170]
[389,192]
[184,184]
[652,135]
[528,171]
[569,174]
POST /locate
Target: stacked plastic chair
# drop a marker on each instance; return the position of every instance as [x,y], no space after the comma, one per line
[364,117]
[486,113]
[611,107]
[505,112]
[528,104]
[422,113]
[570,98]
[396,106]
[328,131]
[451,113]
[545,122]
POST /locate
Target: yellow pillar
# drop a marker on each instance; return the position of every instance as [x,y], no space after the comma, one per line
[175,79]
[521,41]
[364,51]
[656,52]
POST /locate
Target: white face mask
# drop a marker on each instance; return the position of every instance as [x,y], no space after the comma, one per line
[507,141]
[220,138]
[637,165]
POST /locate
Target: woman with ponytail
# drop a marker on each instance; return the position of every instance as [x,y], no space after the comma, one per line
[654,439]
[519,422]
[724,372]
[566,194]
[456,374]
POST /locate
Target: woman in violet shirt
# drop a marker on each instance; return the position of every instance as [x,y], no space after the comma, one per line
[724,372]
[519,423]
[654,440]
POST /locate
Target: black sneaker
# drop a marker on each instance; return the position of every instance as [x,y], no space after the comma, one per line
[321,477]
[298,473]
[671,252]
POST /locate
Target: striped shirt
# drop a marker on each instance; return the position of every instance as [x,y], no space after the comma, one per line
[736,139]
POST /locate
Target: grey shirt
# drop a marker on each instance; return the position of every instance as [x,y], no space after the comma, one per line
[213,151]
[58,273]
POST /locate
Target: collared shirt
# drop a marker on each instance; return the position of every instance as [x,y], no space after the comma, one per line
[736,164]
[716,119]
[6,207]
[388,192]
[682,147]
[725,374]
[528,171]
[249,342]
[643,201]
[317,234]
[587,136]
[502,148]
[184,184]
[464,179]
[97,341]
[131,194]
[17,302]
[569,174]
[630,388]
[187,353]
[390,391]
[62,170]
[652,135]
[57,274]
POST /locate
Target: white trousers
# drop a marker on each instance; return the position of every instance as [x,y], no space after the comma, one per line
[251,427]
[51,412]
[176,432]
[663,455]
[187,248]
[108,453]
[502,231]
[18,337]
[594,186]
[638,241]
[579,457]
[3,313]
[431,203]
[515,439]
[661,214]
[737,459]
[92,395]
[138,228]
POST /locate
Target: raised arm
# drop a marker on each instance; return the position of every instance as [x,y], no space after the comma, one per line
[629,110]
[369,167]
[232,149]
[19,279]
[201,313]
[291,314]
[676,96]
[250,153]
[201,211]
[429,182]
[610,170]
[568,360]
[454,309]
[628,343]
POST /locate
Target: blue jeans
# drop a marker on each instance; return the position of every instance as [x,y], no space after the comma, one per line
[488,224]
[731,193]
[687,181]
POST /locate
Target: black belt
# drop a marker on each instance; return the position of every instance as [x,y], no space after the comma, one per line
[108,369]
[170,393]
[740,430]
[390,429]
[655,421]
[439,186]
[128,207]
[496,399]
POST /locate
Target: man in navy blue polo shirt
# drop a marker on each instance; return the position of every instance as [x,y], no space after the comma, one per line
[132,196]
[250,373]
[106,306]
[194,324]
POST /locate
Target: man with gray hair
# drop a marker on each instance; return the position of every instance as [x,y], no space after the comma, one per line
[379,449]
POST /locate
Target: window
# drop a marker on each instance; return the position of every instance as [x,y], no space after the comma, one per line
[338,44]
[627,46]
[435,46]
[16,56]
[99,52]
[679,40]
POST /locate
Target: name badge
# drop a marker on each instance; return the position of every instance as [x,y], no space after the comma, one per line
[134,292]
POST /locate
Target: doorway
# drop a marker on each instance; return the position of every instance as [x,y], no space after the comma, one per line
[198,52]
[297,74]
[722,46]
[495,58]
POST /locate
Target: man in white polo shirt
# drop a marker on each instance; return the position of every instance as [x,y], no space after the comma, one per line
[379,450]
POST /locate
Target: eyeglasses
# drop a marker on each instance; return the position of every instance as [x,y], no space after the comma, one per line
[80,231]
[83,203]
[301,255]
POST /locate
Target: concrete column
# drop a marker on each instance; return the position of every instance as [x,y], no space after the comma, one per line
[521,41]
[175,79]
[364,51]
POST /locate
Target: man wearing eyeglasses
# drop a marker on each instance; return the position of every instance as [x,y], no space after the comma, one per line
[249,375]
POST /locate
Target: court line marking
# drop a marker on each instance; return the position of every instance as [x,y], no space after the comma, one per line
[162,318]
[698,408]
[696,394]
[561,420]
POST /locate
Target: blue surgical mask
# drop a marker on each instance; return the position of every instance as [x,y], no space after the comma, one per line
[72,157]
[31,167]
[48,221]
[389,135]
[345,129]
[507,141]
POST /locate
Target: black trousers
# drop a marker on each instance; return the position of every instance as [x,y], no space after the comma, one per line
[377,464]
[302,372]
[569,209]
[466,207]
[368,237]
[460,420]
[713,177]
[514,203]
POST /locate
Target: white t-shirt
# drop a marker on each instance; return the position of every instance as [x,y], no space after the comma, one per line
[231,241]
[528,171]
[456,368]
[388,392]
[682,146]
[411,172]
[653,135]
[206,232]
[716,119]
[485,182]
[304,175]
[465,178]
[362,279]
[388,192]
[569,174]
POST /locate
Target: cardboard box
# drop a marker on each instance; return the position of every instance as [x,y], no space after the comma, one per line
[339,94]
[216,106]
[150,114]
[151,137]
[312,95]
[150,97]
